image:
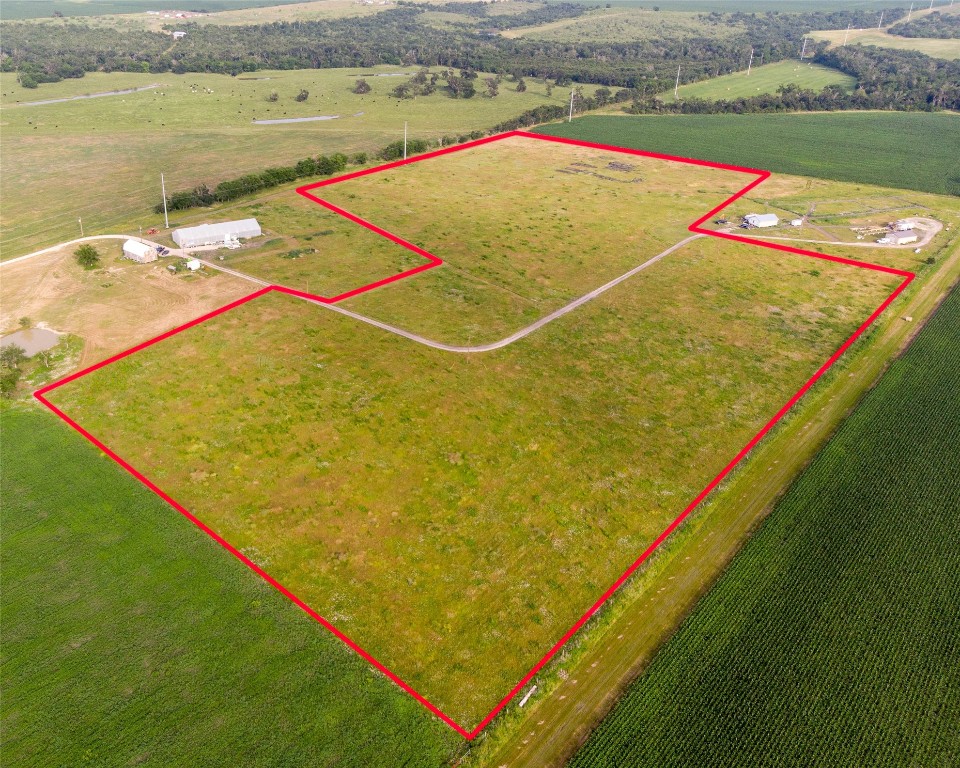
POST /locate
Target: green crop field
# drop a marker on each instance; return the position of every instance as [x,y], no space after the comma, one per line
[831,640]
[131,638]
[908,150]
[442,507]
[765,79]
[100,159]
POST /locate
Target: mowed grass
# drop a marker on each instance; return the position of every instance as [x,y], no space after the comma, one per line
[131,638]
[524,226]
[765,79]
[832,638]
[454,514]
[109,152]
[918,151]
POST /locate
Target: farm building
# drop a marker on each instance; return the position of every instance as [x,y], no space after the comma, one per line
[179,35]
[796,223]
[761,219]
[139,252]
[193,265]
[902,226]
[904,237]
[216,234]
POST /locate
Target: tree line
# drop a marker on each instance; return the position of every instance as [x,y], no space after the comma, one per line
[887,79]
[400,36]
[945,26]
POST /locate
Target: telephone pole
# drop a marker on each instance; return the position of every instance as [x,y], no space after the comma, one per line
[163,190]
[846,35]
[803,51]
[750,63]
[676,87]
[570,116]
[404,140]
[80,222]
[881,20]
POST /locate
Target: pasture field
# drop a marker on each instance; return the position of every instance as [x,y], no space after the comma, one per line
[831,639]
[38,9]
[622,24]
[943,49]
[512,253]
[130,639]
[101,159]
[765,79]
[919,151]
[454,514]
[113,307]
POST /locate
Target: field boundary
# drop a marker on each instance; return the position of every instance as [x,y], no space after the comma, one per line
[433,261]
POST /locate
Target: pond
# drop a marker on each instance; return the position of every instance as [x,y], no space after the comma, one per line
[32,340]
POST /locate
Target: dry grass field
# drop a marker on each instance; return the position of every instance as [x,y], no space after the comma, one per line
[101,159]
[113,307]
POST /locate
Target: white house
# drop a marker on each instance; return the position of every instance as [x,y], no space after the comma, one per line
[902,238]
[216,234]
[761,219]
[139,252]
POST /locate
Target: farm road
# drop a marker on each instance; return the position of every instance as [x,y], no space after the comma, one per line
[523,331]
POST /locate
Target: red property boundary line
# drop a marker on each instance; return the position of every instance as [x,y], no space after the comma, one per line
[433,261]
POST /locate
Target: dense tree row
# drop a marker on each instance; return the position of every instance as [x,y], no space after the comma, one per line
[886,79]
[400,36]
[936,24]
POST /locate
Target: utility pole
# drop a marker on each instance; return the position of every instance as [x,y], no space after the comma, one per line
[163,190]
[750,63]
[910,12]
[570,116]
[846,35]
[881,20]
[803,51]
[931,6]
[404,139]
[676,87]
[80,222]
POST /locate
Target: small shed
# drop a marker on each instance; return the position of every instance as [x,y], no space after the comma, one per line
[905,237]
[179,34]
[216,234]
[796,223]
[193,265]
[761,219]
[902,226]
[139,252]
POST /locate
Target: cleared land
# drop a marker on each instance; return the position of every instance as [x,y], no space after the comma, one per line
[905,150]
[943,49]
[113,307]
[620,25]
[452,514]
[844,601]
[765,79]
[129,639]
[197,128]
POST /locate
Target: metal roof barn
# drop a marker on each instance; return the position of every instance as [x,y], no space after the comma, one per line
[216,234]
[762,219]
[134,249]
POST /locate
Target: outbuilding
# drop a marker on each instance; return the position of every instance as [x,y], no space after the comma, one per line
[761,219]
[216,234]
[139,252]
[903,238]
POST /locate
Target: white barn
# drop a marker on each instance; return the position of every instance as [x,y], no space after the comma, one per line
[139,252]
[904,237]
[216,234]
[761,219]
